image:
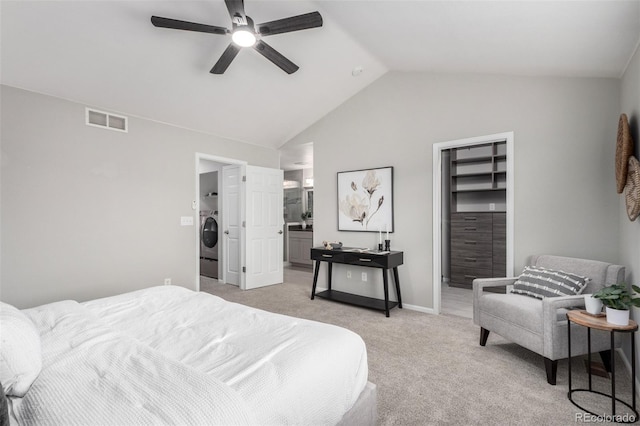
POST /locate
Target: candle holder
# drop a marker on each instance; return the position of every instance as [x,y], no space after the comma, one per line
[380,247]
[387,245]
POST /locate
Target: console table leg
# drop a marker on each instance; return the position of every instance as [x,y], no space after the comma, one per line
[385,278]
[397,280]
[330,272]
[315,279]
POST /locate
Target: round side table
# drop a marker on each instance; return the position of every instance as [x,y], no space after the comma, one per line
[589,321]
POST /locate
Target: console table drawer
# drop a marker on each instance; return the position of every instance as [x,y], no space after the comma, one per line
[327,255]
[366,260]
[389,260]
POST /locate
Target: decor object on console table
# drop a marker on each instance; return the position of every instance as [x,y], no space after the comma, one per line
[365,200]
[359,257]
[618,301]
[332,245]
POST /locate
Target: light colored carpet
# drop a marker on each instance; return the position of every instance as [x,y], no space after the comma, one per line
[431,370]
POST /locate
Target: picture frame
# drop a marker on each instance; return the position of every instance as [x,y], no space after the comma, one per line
[365,200]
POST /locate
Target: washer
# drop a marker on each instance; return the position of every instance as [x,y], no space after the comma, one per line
[209,243]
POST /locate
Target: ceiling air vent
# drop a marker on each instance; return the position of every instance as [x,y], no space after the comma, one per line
[106,120]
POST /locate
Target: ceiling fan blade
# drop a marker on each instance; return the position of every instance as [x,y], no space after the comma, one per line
[271,54]
[294,23]
[225,60]
[185,25]
[236,10]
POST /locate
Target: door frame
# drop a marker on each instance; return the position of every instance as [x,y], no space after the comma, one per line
[195,205]
[437,204]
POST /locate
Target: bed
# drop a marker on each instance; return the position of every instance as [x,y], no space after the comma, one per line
[168,355]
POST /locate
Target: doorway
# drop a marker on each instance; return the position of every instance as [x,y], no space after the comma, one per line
[249,203]
[219,261]
[443,192]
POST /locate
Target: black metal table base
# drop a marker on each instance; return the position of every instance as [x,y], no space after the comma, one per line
[614,418]
[635,413]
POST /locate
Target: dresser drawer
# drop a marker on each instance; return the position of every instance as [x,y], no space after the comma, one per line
[476,221]
[471,245]
[472,262]
[464,278]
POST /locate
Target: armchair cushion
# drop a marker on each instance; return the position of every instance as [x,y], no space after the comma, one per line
[539,282]
[522,312]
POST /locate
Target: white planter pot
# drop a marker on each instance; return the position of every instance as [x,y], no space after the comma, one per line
[617,316]
[303,225]
[592,305]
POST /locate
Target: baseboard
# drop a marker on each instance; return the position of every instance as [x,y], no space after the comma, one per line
[418,308]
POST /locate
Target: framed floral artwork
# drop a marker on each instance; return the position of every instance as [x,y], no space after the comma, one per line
[365,200]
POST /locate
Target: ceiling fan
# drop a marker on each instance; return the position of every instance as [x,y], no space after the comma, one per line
[245,33]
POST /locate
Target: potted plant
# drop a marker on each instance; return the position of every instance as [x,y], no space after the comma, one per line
[305,215]
[618,301]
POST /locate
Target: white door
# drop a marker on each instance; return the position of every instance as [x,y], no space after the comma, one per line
[231,222]
[264,227]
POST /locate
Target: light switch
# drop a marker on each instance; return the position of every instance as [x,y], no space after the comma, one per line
[186,221]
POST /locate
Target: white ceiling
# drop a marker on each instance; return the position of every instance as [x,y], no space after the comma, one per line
[571,38]
[108,55]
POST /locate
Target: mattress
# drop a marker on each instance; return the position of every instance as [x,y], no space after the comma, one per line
[286,370]
[92,374]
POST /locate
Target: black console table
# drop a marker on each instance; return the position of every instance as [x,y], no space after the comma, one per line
[372,259]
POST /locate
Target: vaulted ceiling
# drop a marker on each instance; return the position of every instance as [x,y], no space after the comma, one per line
[107,54]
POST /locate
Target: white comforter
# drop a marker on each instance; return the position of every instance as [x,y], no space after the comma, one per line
[287,370]
[94,375]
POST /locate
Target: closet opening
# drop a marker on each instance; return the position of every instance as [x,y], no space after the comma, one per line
[473,217]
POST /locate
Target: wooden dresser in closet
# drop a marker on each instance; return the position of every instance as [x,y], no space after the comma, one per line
[478,247]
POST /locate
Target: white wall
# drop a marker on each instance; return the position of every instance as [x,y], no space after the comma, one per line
[564,133]
[629,232]
[88,212]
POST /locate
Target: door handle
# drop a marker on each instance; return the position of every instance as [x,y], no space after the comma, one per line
[280,232]
[226,232]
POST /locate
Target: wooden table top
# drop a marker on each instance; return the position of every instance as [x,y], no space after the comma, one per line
[584,318]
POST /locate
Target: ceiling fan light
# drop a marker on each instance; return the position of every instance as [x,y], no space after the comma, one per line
[243,38]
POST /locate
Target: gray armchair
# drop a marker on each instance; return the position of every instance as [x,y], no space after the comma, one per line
[541,325]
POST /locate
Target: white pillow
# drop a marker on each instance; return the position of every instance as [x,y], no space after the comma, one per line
[20,352]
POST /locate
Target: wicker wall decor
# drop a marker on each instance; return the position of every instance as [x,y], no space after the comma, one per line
[632,189]
[624,149]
